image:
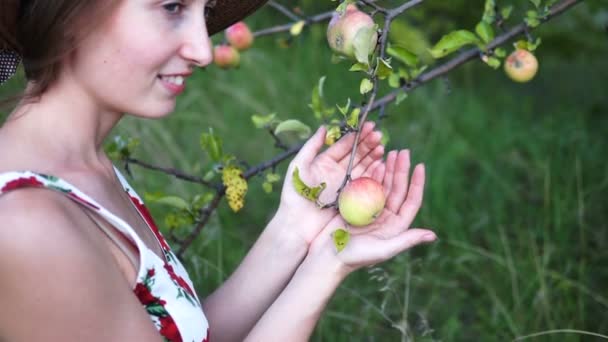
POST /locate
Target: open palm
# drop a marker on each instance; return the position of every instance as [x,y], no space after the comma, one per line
[329,167]
[390,233]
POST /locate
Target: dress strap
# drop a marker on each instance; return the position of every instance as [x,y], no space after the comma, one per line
[116,236]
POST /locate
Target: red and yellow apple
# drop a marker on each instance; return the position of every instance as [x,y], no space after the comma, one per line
[239,35]
[521,65]
[226,56]
[361,201]
[343,28]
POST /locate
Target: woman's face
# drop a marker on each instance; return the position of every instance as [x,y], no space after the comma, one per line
[136,61]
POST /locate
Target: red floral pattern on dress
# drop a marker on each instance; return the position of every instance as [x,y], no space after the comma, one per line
[21,182]
[156,307]
[169,330]
[150,221]
[179,280]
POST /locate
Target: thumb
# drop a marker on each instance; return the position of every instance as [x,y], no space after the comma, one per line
[311,148]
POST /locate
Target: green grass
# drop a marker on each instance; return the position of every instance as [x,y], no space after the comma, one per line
[516,193]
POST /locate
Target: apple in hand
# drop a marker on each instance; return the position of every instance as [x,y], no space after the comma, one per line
[343,28]
[226,56]
[361,201]
[521,65]
[239,35]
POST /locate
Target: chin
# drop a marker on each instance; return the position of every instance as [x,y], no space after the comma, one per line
[157,111]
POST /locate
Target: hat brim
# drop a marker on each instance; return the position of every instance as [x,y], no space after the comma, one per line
[223,13]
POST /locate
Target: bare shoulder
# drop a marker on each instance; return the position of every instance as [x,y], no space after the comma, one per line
[56,281]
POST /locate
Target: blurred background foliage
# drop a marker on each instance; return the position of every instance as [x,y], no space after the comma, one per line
[517,177]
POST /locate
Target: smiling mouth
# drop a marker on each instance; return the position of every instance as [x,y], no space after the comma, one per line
[176,80]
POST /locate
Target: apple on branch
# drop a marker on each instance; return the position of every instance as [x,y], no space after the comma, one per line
[226,56]
[239,35]
[350,29]
[521,65]
[361,201]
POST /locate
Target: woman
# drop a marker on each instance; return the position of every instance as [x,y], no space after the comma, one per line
[86,262]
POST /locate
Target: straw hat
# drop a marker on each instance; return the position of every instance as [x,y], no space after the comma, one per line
[223,13]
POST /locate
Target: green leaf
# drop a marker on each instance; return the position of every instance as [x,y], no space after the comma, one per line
[532,19]
[405,74]
[201,200]
[321,85]
[536,3]
[317,105]
[394,80]
[267,187]
[489,12]
[340,238]
[344,109]
[212,144]
[452,42]
[364,43]
[359,67]
[173,201]
[383,69]
[500,52]
[332,135]
[505,12]
[353,119]
[484,31]
[310,193]
[293,125]
[263,121]
[273,177]
[366,86]
[493,62]
[400,97]
[403,55]
[296,28]
[385,136]
[417,72]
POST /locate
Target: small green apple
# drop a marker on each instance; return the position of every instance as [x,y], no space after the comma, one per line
[361,201]
[521,65]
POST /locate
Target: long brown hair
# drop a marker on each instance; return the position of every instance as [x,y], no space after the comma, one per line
[44,32]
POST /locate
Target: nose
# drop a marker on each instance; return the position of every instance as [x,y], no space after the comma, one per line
[197,46]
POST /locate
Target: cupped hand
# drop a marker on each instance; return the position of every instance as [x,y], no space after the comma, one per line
[390,234]
[303,216]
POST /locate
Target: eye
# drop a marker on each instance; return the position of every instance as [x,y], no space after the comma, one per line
[174,8]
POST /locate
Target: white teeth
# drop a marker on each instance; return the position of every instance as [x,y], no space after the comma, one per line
[177,80]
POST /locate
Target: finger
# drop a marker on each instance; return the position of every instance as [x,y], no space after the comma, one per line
[311,148]
[364,147]
[400,180]
[373,156]
[378,173]
[388,175]
[344,146]
[412,204]
[407,240]
[368,171]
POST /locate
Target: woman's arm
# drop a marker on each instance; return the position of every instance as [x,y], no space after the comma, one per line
[233,308]
[295,313]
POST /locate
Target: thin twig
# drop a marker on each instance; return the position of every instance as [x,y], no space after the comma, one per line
[284,10]
[170,171]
